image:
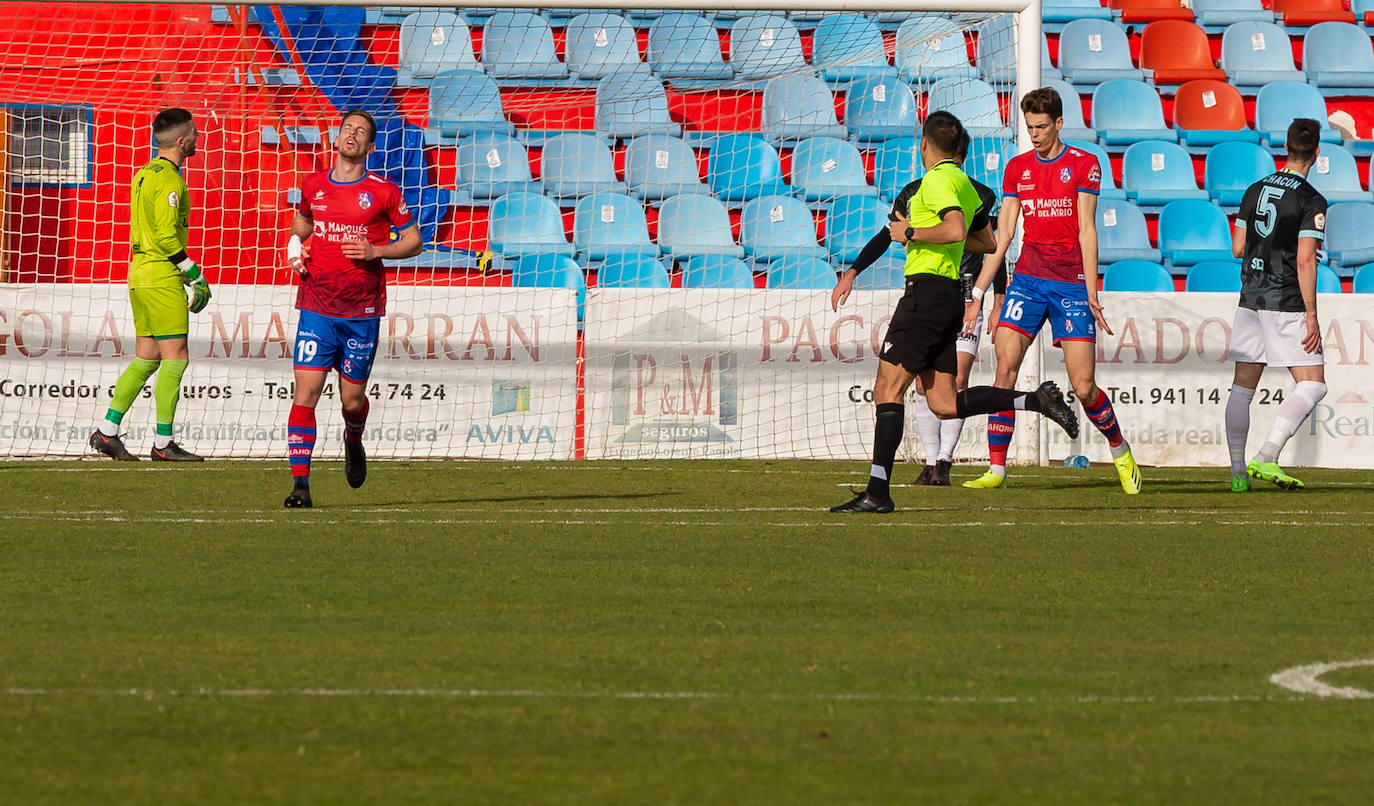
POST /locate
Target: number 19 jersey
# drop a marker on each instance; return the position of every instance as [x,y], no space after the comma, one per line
[1275,212]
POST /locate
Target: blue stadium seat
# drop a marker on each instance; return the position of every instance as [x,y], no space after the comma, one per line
[492,165]
[550,270]
[1233,167]
[717,271]
[896,163]
[1328,282]
[887,274]
[607,224]
[432,42]
[1350,234]
[774,227]
[800,272]
[879,107]
[997,54]
[1214,275]
[1155,173]
[464,102]
[826,167]
[1126,112]
[765,45]
[848,47]
[684,47]
[1109,189]
[1364,280]
[743,166]
[1338,59]
[635,270]
[574,164]
[517,47]
[987,156]
[561,16]
[1070,10]
[1215,15]
[926,56]
[1254,54]
[1122,233]
[600,43]
[1137,275]
[1337,177]
[524,224]
[690,225]
[1074,126]
[1279,103]
[973,102]
[851,222]
[659,165]
[1092,51]
[1191,231]
[1361,8]
[632,104]
[800,106]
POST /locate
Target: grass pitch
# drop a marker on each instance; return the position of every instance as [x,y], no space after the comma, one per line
[675,632]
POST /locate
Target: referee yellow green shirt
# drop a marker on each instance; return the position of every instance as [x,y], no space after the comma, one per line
[160,212]
[945,187]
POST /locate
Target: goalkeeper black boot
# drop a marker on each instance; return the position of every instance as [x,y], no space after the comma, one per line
[355,463]
[865,502]
[300,495]
[112,447]
[174,453]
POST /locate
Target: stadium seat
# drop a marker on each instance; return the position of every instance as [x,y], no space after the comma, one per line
[432,42]
[848,47]
[684,47]
[827,167]
[1214,275]
[1137,275]
[606,224]
[1350,234]
[896,163]
[464,102]
[1298,13]
[660,165]
[1338,59]
[1126,112]
[774,227]
[1337,177]
[1109,189]
[764,46]
[1364,280]
[600,43]
[635,270]
[800,106]
[550,270]
[742,166]
[879,107]
[1122,234]
[1177,52]
[629,105]
[1151,11]
[1155,173]
[1191,231]
[1254,54]
[492,165]
[1328,281]
[717,271]
[996,53]
[1364,11]
[1231,168]
[973,102]
[800,272]
[1279,103]
[888,273]
[1215,15]
[987,156]
[561,16]
[690,225]
[517,48]
[1093,51]
[1209,112]
[1074,126]
[526,223]
[851,222]
[574,164]
[925,57]
[1070,10]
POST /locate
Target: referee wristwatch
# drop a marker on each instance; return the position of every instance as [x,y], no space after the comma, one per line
[910,233]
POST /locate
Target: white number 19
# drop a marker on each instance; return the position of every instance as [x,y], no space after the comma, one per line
[305,351]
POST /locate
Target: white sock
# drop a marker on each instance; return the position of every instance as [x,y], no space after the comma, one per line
[950,431]
[1292,411]
[109,428]
[928,426]
[1238,426]
[160,442]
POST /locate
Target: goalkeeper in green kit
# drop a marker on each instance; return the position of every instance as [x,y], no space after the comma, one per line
[159,211]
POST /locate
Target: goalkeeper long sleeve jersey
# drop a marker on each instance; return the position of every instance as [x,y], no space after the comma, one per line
[159,224]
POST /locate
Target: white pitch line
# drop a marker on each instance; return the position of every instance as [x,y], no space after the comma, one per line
[1306,680]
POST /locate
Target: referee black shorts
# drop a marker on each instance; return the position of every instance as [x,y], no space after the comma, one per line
[924,331]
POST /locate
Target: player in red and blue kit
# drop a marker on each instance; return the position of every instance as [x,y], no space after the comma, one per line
[1054,189]
[347,215]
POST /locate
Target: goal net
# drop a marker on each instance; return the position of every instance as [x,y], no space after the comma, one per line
[632,219]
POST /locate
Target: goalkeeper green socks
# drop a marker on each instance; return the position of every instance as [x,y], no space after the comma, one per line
[128,386]
[167,393]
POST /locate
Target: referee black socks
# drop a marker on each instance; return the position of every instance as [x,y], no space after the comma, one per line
[887,435]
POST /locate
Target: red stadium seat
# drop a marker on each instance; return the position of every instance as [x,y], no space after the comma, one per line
[1151,10]
[1177,51]
[1208,112]
[1311,12]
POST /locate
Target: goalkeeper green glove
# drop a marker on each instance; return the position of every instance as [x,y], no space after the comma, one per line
[200,289]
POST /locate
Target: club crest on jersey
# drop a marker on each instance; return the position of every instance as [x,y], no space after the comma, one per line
[1319,221]
[1065,174]
[364,199]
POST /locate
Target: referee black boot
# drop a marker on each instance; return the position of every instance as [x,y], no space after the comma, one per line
[866,503]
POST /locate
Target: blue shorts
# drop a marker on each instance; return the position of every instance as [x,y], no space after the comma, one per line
[1032,300]
[326,342]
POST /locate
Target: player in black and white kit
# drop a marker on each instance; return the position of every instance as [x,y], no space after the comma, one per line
[1281,224]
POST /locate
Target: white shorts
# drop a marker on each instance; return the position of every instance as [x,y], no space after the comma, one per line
[1271,337]
[969,343]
